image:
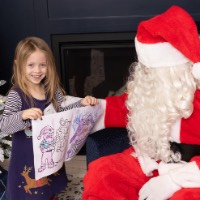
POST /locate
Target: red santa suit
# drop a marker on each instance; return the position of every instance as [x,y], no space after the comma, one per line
[161,42]
[121,176]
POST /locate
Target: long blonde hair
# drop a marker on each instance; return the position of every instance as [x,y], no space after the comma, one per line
[157,97]
[51,82]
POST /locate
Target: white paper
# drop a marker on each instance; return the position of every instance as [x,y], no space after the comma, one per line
[58,137]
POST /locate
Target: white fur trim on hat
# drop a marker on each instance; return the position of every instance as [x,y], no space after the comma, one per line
[196,70]
[161,54]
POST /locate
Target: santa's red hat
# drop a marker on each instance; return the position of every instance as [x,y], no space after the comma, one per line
[169,39]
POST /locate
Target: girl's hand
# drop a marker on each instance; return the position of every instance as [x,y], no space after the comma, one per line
[32,113]
[89,101]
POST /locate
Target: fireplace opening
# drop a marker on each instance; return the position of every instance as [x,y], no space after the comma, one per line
[94,64]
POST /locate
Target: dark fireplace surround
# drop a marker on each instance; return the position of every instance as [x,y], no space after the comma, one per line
[94,64]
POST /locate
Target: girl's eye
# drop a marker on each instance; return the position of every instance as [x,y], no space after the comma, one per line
[43,65]
[30,65]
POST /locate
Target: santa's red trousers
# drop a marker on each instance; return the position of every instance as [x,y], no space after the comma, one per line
[119,177]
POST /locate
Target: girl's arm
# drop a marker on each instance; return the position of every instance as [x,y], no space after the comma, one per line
[115,111]
[61,98]
[11,120]
[80,102]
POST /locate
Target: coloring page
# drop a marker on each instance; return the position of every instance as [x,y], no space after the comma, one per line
[58,137]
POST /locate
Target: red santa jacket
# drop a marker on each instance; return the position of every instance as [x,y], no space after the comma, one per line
[185,131]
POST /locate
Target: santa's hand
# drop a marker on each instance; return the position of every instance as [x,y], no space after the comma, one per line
[158,188]
[165,168]
[187,176]
[184,176]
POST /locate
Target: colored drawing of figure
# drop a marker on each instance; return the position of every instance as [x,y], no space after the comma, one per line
[61,134]
[85,123]
[47,147]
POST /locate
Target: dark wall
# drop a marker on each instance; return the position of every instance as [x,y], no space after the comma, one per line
[17,21]
[44,18]
[77,16]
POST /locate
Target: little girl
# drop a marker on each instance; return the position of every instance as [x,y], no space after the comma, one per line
[35,86]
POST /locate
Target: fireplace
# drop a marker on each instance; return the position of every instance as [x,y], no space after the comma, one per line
[94,64]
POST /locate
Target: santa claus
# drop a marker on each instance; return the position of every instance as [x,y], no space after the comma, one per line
[161,110]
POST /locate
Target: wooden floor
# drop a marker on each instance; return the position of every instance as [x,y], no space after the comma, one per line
[77,166]
[75,169]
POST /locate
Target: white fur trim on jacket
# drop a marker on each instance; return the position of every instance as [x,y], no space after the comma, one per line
[147,164]
[196,70]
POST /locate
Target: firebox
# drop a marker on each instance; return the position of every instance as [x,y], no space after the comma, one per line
[94,64]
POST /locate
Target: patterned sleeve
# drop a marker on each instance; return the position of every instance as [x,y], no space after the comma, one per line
[11,120]
[60,98]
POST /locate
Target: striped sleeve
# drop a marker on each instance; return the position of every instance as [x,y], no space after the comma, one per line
[11,120]
[60,98]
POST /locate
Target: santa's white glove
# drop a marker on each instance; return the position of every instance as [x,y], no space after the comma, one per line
[164,186]
[186,176]
[158,188]
[165,168]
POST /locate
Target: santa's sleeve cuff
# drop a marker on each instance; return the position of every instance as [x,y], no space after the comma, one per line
[116,111]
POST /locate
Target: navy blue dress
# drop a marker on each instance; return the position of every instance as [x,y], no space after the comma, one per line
[21,183]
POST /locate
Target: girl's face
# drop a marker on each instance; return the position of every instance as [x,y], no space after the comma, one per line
[36,67]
